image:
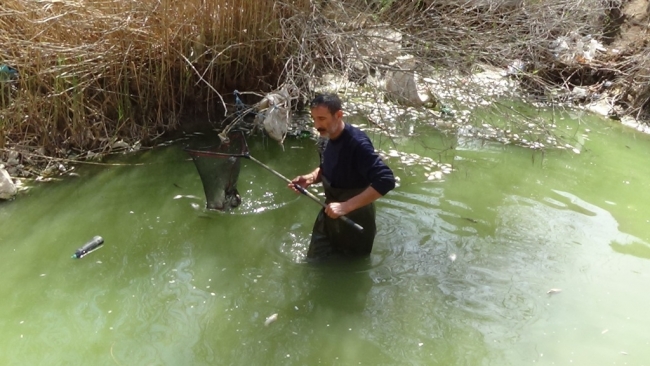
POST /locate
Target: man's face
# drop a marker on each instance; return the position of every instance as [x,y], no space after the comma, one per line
[325,122]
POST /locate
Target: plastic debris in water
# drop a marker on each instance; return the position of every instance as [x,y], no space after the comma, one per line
[554,291]
[8,73]
[89,247]
[270,319]
[452,257]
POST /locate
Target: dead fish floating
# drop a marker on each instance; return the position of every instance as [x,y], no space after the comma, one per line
[554,291]
[179,196]
[270,319]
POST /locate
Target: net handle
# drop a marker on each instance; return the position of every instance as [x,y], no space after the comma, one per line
[232,135]
[345,219]
[207,154]
[247,155]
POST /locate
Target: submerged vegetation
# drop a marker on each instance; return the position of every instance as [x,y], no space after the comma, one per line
[91,73]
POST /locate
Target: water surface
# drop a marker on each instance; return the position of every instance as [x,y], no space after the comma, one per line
[459,274]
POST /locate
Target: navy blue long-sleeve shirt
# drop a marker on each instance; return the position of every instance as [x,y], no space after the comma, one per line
[350,161]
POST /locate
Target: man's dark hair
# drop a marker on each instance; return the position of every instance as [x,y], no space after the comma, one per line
[329,100]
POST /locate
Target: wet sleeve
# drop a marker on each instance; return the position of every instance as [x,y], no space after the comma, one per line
[373,168]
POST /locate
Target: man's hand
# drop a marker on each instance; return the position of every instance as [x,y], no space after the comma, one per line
[336,209]
[303,180]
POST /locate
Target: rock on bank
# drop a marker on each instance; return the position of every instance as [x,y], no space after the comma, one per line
[7,187]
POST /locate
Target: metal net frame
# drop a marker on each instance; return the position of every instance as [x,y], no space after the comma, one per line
[219,166]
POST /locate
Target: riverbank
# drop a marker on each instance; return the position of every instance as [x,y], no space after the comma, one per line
[393,62]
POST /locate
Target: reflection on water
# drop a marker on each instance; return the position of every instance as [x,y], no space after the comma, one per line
[459,274]
[339,286]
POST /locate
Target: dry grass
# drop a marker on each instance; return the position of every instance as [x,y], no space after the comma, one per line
[95,71]
[456,35]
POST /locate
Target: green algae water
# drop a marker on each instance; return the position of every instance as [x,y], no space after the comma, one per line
[514,258]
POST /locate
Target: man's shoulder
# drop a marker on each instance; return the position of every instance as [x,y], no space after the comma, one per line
[356,134]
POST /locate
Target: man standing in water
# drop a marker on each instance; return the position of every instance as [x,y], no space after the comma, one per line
[353,177]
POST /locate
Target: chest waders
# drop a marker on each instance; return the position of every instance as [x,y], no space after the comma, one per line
[332,236]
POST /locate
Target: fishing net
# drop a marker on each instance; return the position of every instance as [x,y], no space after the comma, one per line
[218,167]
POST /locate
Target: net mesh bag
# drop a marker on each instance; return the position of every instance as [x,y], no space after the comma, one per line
[218,166]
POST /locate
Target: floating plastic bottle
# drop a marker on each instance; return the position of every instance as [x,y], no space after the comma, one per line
[89,247]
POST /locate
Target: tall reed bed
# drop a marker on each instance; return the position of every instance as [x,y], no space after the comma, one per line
[94,71]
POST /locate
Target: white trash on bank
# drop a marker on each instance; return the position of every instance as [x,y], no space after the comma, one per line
[575,48]
[401,84]
[274,114]
[7,187]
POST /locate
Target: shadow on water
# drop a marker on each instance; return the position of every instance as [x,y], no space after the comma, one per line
[339,285]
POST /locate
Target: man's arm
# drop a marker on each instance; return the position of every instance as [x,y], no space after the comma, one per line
[368,196]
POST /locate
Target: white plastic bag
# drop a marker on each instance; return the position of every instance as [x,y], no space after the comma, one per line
[7,187]
[275,114]
[276,123]
[401,85]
